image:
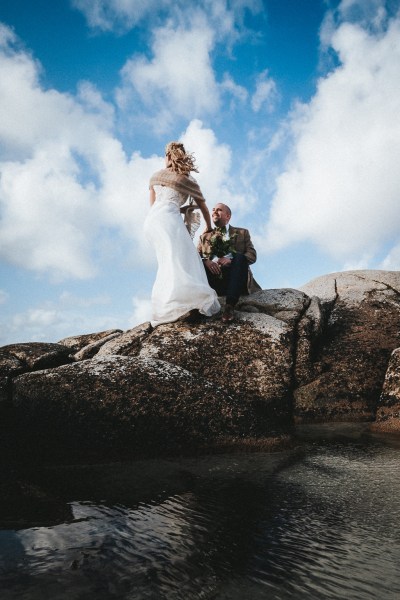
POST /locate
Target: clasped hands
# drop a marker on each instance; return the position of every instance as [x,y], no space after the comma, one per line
[215,266]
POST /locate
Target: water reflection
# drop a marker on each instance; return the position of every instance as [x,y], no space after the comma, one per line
[318,522]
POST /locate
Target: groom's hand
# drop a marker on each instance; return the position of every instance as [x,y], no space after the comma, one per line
[213,267]
[224,262]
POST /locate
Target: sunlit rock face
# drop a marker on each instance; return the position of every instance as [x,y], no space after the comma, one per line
[251,360]
[86,346]
[362,311]
[388,411]
[291,356]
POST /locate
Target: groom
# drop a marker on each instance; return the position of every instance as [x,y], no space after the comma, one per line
[227,252]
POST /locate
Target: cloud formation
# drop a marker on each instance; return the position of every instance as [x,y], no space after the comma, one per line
[66,180]
[177,80]
[265,94]
[53,320]
[116,15]
[122,15]
[169,84]
[341,187]
[215,163]
[64,174]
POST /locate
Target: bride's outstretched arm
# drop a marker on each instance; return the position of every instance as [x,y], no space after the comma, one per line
[206,214]
[152,196]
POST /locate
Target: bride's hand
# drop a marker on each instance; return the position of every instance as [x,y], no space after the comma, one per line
[187,209]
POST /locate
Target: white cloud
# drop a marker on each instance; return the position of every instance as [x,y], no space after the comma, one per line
[391,262]
[123,15]
[172,83]
[215,178]
[141,311]
[66,181]
[120,15]
[178,79]
[236,91]
[51,321]
[64,176]
[341,187]
[265,94]
[370,13]
[46,217]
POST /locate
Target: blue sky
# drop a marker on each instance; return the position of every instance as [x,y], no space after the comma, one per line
[291,108]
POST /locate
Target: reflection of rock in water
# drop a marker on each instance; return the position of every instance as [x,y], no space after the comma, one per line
[24,503]
[316,522]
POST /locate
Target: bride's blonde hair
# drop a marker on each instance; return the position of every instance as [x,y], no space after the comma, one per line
[178,159]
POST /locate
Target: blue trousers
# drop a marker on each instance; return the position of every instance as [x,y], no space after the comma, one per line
[233,282]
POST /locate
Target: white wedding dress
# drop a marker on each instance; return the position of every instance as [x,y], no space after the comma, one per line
[181,283]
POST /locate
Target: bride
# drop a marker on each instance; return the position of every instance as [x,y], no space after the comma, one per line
[181,284]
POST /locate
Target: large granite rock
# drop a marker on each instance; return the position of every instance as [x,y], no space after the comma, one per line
[78,342]
[16,359]
[125,406]
[251,359]
[255,359]
[19,358]
[128,343]
[291,356]
[388,411]
[363,310]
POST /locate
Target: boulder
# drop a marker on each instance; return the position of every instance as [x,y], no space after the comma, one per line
[388,411]
[309,332]
[318,354]
[121,406]
[284,304]
[252,359]
[93,348]
[19,358]
[16,359]
[362,329]
[127,343]
[10,367]
[77,342]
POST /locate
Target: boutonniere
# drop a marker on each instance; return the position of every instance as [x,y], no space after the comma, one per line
[220,244]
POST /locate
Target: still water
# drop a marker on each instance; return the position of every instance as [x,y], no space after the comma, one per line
[319,521]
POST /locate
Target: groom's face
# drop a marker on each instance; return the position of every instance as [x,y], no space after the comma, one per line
[220,215]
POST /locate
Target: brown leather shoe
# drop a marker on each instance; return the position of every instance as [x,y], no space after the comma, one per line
[228,315]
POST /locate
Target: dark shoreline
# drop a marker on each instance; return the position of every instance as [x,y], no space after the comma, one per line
[40,495]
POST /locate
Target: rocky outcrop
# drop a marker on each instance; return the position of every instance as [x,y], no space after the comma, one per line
[350,362]
[78,342]
[125,406]
[20,358]
[388,411]
[291,356]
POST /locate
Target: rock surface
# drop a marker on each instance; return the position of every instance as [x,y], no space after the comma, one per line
[388,412]
[78,342]
[317,354]
[119,405]
[252,360]
[362,329]
[19,358]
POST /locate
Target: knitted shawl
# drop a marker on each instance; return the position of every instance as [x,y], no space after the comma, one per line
[184,184]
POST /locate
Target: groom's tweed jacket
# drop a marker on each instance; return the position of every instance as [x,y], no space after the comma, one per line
[242,243]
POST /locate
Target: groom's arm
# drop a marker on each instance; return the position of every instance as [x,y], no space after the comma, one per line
[244,245]
[250,252]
